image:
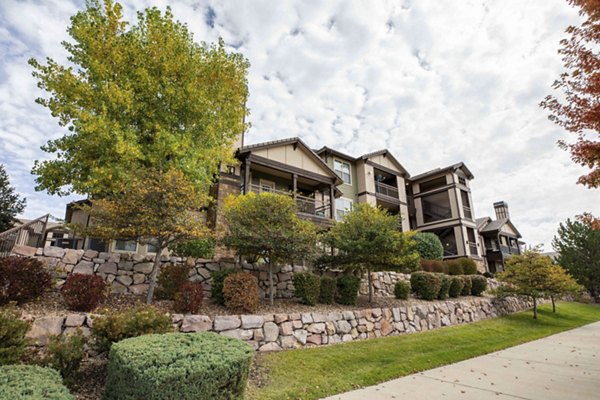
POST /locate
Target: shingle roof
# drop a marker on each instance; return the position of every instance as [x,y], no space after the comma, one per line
[452,167]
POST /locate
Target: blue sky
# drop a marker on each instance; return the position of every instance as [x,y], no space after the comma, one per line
[435,82]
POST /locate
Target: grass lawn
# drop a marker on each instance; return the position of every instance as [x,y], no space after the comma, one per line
[319,372]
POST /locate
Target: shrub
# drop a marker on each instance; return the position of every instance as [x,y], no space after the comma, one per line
[401,290]
[347,289]
[31,382]
[328,290]
[454,267]
[22,279]
[83,292]
[200,366]
[446,282]
[240,291]
[170,280]
[12,335]
[141,320]
[425,285]
[433,266]
[197,248]
[428,246]
[478,285]
[468,265]
[65,353]
[467,285]
[307,287]
[216,290]
[456,286]
[189,298]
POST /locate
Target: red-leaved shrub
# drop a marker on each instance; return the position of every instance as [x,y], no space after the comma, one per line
[22,279]
[189,298]
[433,266]
[83,292]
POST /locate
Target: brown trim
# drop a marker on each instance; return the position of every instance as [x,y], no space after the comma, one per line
[435,191]
[385,169]
[291,169]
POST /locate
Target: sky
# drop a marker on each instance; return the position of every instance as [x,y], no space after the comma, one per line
[434,82]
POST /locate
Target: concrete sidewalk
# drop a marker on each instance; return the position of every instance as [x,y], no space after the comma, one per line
[565,366]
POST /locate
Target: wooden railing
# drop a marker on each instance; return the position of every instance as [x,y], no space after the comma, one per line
[304,204]
[33,234]
[386,190]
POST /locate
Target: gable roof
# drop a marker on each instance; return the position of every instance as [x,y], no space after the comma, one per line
[454,167]
[329,150]
[388,154]
[495,225]
[294,141]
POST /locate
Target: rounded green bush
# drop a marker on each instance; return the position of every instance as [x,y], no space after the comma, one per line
[426,285]
[328,290]
[347,289]
[444,287]
[468,265]
[428,246]
[200,366]
[454,267]
[478,284]
[401,290]
[456,286]
[30,382]
[307,287]
[466,291]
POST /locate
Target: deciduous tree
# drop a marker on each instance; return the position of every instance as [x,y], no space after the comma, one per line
[134,97]
[577,108]
[162,209]
[266,226]
[560,283]
[578,246]
[11,203]
[369,239]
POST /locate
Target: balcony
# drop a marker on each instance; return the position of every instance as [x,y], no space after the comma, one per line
[386,190]
[434,212]
[305,205]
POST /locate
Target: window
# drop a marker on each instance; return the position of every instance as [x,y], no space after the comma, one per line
[151,247]
[342,207]
[342,169]
[462,181]
[433,184]
[266,186]
[126,245]
[97,244]
[466,205]
[436,207]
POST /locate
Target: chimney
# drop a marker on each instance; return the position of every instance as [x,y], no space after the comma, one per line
[501,208]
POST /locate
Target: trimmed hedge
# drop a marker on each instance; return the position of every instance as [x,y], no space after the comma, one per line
[307,287]
[240,291]
[468,265]
[30,382]
[347,289]
[328,290]
[83,292]
[444,287]
[22,279]
[454,267]
[456,286]
[428,245]
[401,290]
[467,285]
[141,320]
[425,285]
[216,290]
[478,285]
[434,266]
[200,366]
[170,279]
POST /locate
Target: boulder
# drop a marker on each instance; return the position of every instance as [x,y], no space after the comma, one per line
[75,320]
[25,251]
[227,322]
[270,347]
[343,326]
[90,254]
[196,323]
[139,289]
[271,331]
[125,280]
[52,251]
[84,267]
[242,334]
[44,327]
[108,268]
[252,321]
[144,268]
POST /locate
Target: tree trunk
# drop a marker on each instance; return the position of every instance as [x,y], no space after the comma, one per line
[271,294]
[154,274]
[534,308]
[370,280]
[553,303]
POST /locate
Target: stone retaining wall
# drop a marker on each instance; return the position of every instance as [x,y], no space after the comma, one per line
[129,273]
[287,331]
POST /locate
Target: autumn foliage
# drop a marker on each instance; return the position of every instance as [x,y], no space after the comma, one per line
[577,109]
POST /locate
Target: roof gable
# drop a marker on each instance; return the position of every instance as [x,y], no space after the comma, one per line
[385,158]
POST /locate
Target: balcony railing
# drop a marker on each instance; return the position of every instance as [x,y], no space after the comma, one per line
[386,190]
[304,204]
[31,234]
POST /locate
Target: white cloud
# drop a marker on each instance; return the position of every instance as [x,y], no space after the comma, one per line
[434,82]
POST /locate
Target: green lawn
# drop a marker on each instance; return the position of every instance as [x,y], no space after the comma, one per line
[319,372]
